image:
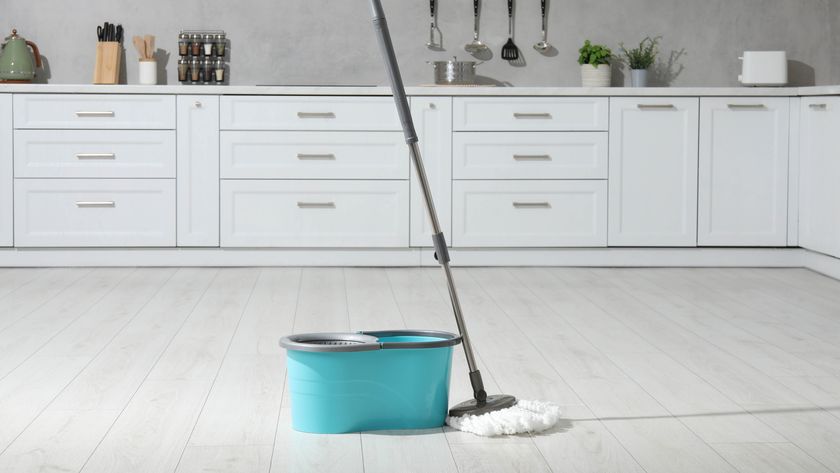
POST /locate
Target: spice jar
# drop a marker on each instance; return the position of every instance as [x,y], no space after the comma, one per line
[195,70]
[209,45]
[220,45]
[209,67]
[183,69]
[195,45]
[220,71]
[183,44]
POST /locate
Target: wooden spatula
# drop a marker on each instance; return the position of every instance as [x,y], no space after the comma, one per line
[150,46]
[140,46]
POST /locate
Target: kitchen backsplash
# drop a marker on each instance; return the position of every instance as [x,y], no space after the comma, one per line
[331,41]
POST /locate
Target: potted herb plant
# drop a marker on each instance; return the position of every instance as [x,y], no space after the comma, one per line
[594,63]
[640,59]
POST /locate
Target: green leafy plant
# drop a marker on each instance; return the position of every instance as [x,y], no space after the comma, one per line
[595,54]
[643,56]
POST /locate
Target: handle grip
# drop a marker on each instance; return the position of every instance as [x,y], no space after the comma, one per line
[510,8]
[542,7]
[475,7]
[432,7]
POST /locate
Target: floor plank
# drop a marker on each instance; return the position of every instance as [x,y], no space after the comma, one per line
[769,458]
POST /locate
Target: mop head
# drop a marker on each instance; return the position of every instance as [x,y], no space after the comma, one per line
[524,416]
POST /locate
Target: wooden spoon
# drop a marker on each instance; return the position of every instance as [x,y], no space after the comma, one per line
[140,46]
[150,46]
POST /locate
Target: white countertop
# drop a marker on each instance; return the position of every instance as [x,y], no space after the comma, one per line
[421,90]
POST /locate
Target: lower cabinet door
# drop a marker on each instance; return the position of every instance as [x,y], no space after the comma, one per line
[6,195]
[94,212]
[529,213]
[313,214]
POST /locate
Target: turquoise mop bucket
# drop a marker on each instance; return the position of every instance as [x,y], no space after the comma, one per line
[353,382]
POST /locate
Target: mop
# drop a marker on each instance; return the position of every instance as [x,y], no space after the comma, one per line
[496,414]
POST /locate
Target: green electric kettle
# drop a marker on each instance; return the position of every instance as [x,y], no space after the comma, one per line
[16,64]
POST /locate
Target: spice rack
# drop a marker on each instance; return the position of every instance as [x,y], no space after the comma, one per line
[203,56]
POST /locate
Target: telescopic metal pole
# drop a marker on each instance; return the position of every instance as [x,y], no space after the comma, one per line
[441,251]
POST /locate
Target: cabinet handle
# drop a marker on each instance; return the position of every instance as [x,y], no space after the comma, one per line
[746,106]
[316,205]
[197,104]
[95,114]
[520,116]
[532,157]
[655,106]
[532,205]
[818,106]
[316,115]
[96,156]
[314,157]
[91,204]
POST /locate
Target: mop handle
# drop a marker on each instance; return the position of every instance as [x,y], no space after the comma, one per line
[441,252]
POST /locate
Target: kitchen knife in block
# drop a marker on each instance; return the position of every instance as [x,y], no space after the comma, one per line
[108,56]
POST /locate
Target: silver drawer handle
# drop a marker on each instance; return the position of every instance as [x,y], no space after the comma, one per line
[532,157]
[316,205]
[96,156]
[818,106]
[746,106]
[94,114]
[532,205]
[316,115]
[655,106]
[543,116]
[90,204]
[315,157]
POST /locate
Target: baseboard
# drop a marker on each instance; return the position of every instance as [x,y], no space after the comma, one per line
[595,257]
[821,263]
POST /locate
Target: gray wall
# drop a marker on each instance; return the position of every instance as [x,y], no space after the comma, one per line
[330,41]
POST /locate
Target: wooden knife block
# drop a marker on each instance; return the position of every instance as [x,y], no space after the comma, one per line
[108,55]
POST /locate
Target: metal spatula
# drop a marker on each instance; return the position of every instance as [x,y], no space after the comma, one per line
[509,51]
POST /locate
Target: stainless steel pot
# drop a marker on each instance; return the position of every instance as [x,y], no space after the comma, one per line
[454,72]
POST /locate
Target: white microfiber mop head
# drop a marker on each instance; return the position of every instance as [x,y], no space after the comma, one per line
[524,416]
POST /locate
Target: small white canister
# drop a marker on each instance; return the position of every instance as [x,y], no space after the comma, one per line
[147,72]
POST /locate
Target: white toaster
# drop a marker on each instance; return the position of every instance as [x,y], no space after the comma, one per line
[764,68]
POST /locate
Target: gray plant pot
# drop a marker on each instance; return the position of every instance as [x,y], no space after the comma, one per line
[639,77]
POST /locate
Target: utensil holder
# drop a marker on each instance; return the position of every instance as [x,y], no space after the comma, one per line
[147,72]
[108,56]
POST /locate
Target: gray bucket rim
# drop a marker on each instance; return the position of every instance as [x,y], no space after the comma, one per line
[367,341]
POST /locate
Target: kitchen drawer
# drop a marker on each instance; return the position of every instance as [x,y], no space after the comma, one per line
[529,213]
[274,213]
[140,112]
[531,114]
[95,153]
[536,155]
[313,155]
[309,113]
[94,212]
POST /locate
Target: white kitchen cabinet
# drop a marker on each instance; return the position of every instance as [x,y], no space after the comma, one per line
[529,213]
[433,121]
[94,111]
[531,113]
[95,153]
[313,155]
[6,171]
[742,198]
[309,113]
[530,155]
[198,170]
[819,190]
[653,171]
[314,213]
[94,212]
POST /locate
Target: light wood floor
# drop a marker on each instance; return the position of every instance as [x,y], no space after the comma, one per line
[657,370]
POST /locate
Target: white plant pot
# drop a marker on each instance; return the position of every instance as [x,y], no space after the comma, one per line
[639,77]
[592,76]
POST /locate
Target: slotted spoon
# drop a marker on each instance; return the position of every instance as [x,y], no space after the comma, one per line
[509,51]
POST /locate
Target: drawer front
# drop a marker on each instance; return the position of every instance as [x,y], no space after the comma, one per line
[313,155]
[531,114]
[366,214]
[530,155]
[94,212]
[309,113]
[141,112]
[529,213]
[95,153]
